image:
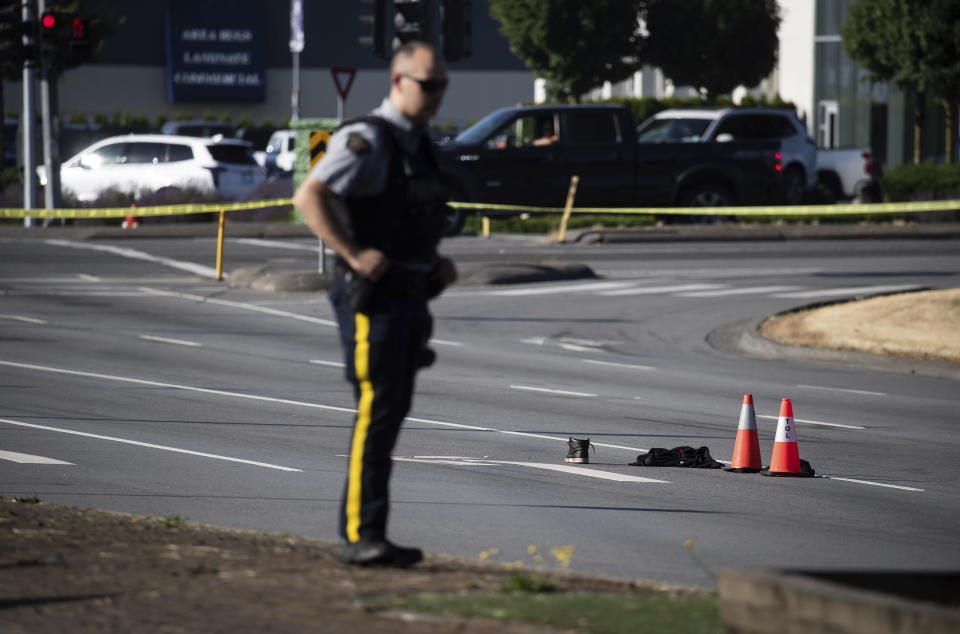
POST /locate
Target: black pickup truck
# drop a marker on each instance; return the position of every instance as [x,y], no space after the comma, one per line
[526,156]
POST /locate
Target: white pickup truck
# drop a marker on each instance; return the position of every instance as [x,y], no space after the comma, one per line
[847,174]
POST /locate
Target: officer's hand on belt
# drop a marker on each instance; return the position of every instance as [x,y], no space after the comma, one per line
[370,263]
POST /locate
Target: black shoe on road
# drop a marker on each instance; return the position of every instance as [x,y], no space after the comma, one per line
[379,553]
[579,451]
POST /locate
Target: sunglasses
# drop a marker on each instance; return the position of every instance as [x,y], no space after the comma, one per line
[428,86]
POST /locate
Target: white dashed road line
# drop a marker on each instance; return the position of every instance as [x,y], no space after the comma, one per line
[241,305]
[484,462]
[331,364]
[147,444]
[612,364]
[133,254]
[651,290]
[25,458]
[548,390]
[749,290]
[26,320]
[176,342]
[842,389]
[813,422]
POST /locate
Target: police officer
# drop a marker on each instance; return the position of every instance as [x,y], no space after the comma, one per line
[376,199]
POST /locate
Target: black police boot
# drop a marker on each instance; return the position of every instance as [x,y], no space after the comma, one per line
[378,553]
[579,450]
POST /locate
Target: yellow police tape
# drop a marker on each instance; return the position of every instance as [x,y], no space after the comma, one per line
[141,212]
[784,210]
[772,210]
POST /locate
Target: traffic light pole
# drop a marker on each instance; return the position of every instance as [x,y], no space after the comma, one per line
[49,115]
[28,120]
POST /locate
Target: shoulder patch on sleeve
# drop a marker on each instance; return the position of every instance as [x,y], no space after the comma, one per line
[357,144]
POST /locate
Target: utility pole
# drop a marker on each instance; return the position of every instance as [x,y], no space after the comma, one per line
[296,47]
[27,118]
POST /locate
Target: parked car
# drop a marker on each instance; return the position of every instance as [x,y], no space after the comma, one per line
[848,174]
[280,155]
[147,162]
[199,128]
[526,156]
[797,148]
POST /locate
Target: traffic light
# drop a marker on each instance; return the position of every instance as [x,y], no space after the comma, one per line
[81,45]
[50,33]
[12,30]
[375,21]
[457,29]
[412,21]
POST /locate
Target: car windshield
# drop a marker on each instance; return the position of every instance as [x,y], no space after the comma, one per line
[230,153]
[484,127]
[672,130]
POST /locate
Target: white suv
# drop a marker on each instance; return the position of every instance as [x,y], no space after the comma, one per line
[798,150]
[141,163]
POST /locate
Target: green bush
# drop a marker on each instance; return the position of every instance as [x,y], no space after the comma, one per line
[926,181]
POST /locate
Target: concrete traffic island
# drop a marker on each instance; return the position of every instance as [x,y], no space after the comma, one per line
[276,279]
[838,602]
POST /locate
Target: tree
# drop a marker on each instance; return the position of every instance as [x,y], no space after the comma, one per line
[713,45]
[574,45]
[915,43]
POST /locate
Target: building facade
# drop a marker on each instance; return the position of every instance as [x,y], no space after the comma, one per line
[176,58]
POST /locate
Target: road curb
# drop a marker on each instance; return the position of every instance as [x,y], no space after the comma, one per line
[840,602]
[743,337]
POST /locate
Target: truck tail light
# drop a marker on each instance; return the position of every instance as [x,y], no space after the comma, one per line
[778,162]
[868,162]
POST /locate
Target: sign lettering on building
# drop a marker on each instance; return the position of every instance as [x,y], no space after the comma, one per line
[215,51]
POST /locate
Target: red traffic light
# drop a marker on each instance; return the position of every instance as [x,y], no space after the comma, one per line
[78,28]
[48,20]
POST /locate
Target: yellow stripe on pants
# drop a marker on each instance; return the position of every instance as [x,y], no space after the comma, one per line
[361,362]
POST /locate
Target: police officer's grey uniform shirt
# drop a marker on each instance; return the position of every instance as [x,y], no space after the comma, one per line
[351,173]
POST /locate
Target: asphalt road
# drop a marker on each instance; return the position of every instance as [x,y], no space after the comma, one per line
[168,393]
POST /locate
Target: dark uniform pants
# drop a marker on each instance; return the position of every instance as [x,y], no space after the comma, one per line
[380,354]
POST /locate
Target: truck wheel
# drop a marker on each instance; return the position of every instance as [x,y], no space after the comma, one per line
[794,184]
[707,195]
[454,219]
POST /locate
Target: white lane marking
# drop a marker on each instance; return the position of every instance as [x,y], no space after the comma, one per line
[25,458]
[704,273]
[551,391]
[581,471]
[813,422]
[276,244]
[850,290]
[332,364]
[750,290]
[876,484]
[650,290]
[149,445]
[189,388]
[133,254]
[565,288]
[619,365]
[73,293]
[535,341]
[445,342]
[27,320]
[176,342]
[88,278]
[842,389]
[226,302]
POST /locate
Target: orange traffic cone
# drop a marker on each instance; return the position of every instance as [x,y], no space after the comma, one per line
[785,460]
[746,451]
[130,222]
